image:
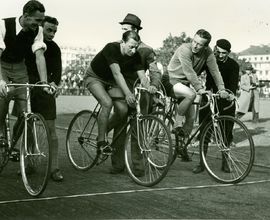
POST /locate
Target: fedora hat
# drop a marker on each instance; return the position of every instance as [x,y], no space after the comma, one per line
[133,20]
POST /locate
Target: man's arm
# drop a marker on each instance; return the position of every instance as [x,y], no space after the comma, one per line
[144,80]
[233,79]
[154,72]
[2,43]
[38,49]
[3,90]
[118,76]
[57,66]
[214,71]
[41,65]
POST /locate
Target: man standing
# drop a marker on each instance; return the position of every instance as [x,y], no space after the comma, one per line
[229,70]
[19,36]
[148,60]
[42,102]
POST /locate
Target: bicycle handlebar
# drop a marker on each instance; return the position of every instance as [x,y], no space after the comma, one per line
[210,96]
[145,89]
[29,85]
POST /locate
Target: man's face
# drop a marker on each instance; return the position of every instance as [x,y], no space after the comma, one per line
[130,47]
[127,27]
[31,22]
[198,44]
[221,54]
[49,31]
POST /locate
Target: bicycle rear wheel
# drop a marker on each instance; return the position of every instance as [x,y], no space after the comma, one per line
[35,158]
[81,140]
[228,156]
[148,150]
[178,143]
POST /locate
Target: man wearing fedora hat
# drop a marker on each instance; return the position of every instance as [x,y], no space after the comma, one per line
[148,60]
[229,70]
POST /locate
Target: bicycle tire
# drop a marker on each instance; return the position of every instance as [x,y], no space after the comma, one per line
[148,164]
[35,154]
[177,142]
[81,140]
[238,158]
[4,152]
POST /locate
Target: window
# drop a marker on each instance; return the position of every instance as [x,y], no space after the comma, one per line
[255,58]
[267,58]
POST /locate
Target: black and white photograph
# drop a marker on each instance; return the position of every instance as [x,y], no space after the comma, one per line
[134,109]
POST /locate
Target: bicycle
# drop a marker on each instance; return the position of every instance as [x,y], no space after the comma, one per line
[35,144]
[153,148]
[216,144]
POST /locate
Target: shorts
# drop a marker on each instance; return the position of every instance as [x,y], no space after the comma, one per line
[43,103]
[92,78]
[16,73]
[168,86]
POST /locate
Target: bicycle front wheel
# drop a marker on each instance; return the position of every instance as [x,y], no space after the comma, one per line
[227,149]
[81,140]
[35,158]
[148,150]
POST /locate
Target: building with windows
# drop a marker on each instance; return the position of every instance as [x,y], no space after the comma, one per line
[259,57]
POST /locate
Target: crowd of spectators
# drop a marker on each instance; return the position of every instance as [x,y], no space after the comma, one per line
[72,84]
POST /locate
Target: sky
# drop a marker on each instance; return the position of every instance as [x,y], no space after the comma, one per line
[96,22]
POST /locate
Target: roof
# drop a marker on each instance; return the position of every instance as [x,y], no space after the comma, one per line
[256,50]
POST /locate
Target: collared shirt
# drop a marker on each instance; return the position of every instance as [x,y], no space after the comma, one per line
[38,41]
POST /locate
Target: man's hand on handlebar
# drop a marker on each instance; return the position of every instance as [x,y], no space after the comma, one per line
[223,94]
[230,97]
[152,89]
[130,99]
[51,89]
[54,89]
[145,82]
[3,88]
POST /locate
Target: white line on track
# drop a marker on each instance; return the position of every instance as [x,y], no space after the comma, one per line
[130,191]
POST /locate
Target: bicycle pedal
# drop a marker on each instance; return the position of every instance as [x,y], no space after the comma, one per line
[106,150]
[14,155]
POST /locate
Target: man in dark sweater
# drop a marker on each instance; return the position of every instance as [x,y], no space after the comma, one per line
[19,36]
[229,70]
[42,102]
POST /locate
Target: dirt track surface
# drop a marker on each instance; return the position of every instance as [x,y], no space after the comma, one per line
[181,195]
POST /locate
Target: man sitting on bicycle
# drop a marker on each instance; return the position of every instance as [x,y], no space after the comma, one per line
[188,61]
[148,59]
[105,79]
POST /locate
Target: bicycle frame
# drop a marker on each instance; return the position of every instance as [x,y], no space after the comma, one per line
[214,113]
[135,115]
[25,114]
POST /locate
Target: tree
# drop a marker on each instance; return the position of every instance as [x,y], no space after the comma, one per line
[170,44]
